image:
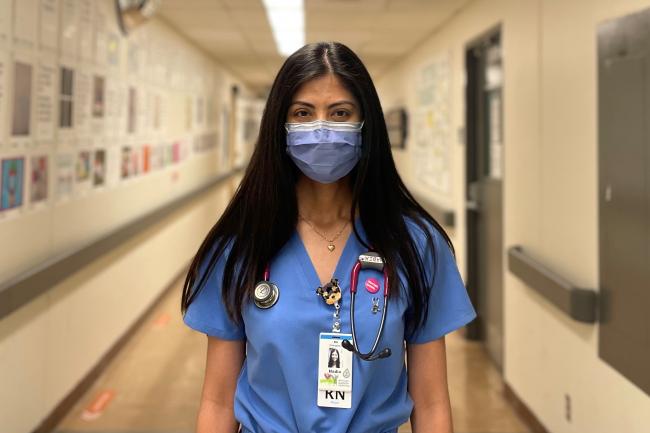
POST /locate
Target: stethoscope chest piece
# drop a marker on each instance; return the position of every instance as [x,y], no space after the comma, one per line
[266,294]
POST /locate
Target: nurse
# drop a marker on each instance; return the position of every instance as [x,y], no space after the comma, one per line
[322,189]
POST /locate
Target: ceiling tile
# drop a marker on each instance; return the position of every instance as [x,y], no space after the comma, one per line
[237,32]
[345,6]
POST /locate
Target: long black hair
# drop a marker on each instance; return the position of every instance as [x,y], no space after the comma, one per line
[263,213]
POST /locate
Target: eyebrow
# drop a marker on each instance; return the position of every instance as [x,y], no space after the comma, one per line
[345,101]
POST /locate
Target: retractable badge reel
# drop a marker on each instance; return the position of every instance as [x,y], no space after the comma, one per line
[266,293]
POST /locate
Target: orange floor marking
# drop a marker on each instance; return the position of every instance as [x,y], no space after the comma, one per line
[161,321]
[97,406]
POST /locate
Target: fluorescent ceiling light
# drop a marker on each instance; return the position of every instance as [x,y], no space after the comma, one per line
[287,19]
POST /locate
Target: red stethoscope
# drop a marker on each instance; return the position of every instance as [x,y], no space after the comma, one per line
[267,294]
[369,260]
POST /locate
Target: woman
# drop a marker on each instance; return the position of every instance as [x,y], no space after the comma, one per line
[320,190]
[334,361]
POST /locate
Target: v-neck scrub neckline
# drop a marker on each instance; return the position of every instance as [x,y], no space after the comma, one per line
[277,387]
[307,265]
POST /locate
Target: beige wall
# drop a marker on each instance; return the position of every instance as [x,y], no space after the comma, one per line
[47,346]
[550,194]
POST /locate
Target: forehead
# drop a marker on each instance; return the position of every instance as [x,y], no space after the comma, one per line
[324,89]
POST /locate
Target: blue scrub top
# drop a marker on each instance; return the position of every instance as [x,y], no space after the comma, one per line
[277,386]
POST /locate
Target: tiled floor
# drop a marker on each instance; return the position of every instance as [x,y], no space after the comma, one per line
[154,384]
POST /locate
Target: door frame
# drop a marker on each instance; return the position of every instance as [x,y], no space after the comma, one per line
[474,83]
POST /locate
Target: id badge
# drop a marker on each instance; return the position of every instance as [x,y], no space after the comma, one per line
[334,371]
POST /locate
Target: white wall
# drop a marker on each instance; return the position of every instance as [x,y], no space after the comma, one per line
[550,194]
[50,344]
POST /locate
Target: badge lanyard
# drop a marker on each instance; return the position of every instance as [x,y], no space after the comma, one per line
[331,294]
[334,362]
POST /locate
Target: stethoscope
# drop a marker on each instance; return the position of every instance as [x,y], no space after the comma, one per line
[266,294]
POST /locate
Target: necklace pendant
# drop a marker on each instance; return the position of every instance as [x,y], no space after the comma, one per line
[331,247]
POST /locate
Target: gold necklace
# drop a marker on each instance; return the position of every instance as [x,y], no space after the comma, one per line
[330,242]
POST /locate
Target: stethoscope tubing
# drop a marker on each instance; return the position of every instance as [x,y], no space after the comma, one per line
[369,356]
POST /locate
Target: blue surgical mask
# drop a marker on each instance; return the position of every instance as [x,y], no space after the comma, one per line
[324,151]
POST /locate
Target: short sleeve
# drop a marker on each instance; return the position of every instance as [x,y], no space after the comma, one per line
[449,305]
[207,312]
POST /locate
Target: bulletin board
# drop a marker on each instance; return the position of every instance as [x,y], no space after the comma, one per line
[432,123]
[97,129]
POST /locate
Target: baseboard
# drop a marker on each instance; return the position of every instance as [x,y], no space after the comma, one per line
[527,416]
[65,406]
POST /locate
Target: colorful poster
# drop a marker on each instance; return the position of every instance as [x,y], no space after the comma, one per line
[99,167]
[13,173]
[38,186]
[146,158]
[83,166]
[64,174]
[49,24]
[22,99]
[176,151]
[66,98]
[45,100]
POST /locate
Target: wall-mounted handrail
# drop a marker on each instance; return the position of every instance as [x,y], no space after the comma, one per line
[444,216]
[24,288]
[579,303]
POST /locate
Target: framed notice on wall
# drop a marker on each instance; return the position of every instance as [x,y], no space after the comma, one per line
[396,122]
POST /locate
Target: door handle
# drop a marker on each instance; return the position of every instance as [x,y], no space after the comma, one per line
[474,196]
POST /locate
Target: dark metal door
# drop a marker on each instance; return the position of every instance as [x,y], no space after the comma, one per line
[484,158]
[624,196]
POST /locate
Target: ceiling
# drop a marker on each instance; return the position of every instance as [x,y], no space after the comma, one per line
[237,33]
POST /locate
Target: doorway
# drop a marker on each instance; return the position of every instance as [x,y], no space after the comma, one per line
[484,202]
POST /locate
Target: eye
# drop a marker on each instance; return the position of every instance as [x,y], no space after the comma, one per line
[301,113]
[341,114]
